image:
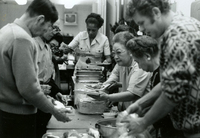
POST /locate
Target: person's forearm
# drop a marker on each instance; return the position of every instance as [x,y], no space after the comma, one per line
[123,97]
[148,99]
[161,108]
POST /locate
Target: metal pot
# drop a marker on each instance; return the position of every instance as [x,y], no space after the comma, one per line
[107,127]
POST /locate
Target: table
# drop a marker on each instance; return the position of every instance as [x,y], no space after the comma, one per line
[80,122]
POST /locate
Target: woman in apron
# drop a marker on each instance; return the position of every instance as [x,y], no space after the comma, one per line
[91,46]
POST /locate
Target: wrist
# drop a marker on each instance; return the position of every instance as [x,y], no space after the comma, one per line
[144,122]
[139,106]
[107,97]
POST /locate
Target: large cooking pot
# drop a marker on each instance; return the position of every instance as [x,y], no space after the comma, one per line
[107,127]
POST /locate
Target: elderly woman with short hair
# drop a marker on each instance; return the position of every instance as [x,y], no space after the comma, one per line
[145,52]
[126,71]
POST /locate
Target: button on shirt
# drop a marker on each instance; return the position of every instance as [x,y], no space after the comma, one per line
[45,64]
[99,47]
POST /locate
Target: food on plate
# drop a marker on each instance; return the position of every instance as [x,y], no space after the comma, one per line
[93,132]
[96,86]
[57,104]
[71,134]
[75,134]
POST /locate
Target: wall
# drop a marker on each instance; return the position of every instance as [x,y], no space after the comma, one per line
[10,11]
[113,15]
[82,12]
[184,7]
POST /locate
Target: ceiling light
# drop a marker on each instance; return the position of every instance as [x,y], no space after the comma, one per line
[21,2]
[70,4]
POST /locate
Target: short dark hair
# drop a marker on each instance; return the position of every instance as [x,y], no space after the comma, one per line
[94,18]
[43,7]
[144,7]
[141,45]
[58,37]
[122,37]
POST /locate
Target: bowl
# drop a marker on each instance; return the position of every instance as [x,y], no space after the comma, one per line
[106,127]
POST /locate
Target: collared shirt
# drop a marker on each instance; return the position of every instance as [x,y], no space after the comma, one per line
[45,64]
[133,79]
[95,51]
[180,72]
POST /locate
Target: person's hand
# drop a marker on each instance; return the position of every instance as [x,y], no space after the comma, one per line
[46,88]
[121,116]
[102,96]
[67,50]
[61,98]
[61,114]
[64,57]
[135,125]
[113,86]
[134,108]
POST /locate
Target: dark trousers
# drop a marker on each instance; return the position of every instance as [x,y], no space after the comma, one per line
[42,120]
[167,129]
[17,126]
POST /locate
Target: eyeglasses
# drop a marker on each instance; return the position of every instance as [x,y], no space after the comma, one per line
[56,28]
[118,53]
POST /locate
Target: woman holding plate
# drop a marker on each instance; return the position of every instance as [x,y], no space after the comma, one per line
[134,80]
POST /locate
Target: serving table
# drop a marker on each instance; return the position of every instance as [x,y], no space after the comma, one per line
[80,123]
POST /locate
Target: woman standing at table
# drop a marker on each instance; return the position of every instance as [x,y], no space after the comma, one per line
[145,52]
[134,80]
[90,46]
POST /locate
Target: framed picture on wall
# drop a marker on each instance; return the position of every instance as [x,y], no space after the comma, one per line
[70,19]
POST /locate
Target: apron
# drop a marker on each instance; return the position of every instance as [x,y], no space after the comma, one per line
[86,60]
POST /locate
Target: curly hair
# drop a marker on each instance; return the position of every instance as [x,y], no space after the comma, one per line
[144,7]
[94,18]
[141,45]
[58,37]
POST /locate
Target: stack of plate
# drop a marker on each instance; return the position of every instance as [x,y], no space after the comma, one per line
[89,75]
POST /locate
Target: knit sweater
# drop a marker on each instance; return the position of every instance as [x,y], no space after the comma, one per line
[20,91]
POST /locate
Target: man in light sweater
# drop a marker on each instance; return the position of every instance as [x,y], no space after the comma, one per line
[20,91]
